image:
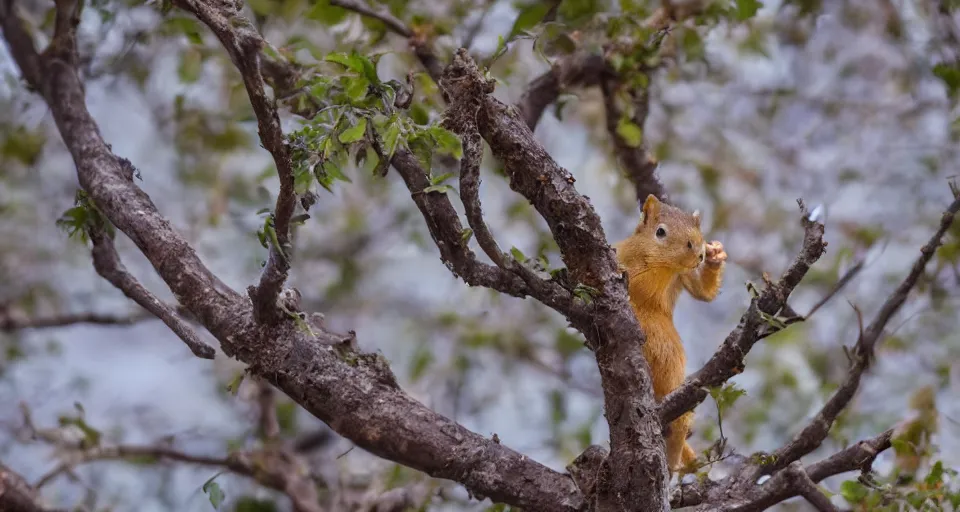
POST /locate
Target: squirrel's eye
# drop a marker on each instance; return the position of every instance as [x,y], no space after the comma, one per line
[661,232]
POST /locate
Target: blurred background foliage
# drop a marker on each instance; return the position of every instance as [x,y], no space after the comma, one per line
[851,105]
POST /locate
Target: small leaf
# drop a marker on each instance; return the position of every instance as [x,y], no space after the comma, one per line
[466,235]
[213,491]
[348,61]
[747,9]
[950,75]
[326,14]
[436,180]
[853,491]
[390,139]
[357,88]
[234,386]
[355,132]
[518,255]
[447,141]
[191,65]
[422,359]
[438,188]
[529,17]
[631,134]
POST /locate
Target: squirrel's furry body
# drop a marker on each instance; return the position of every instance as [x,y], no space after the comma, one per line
[665,255]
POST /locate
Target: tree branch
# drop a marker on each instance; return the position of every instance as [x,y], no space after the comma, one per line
[267,404]
[16,495]
[359,399]
[860,456]
[10,322]
[580,69]
[421,47]
[740,492]
[814,433]
[634,474]
[637,162]
[107,263]
[728,359]
[243,43]
[462,120]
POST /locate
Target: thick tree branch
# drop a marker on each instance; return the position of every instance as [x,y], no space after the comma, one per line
[728,360]
[244,45]
[814,433]
[107,263]
[633,476]
[358,398]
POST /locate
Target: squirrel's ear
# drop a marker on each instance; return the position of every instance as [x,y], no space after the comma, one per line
[651,209]
[696,218]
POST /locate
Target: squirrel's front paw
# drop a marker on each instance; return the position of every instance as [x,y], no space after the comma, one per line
[715,253]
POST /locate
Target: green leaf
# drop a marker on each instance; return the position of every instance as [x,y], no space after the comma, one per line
[262,7]
[436,180]
[287,417]
[529,17]
[191,65]
[747,9]
[950,75]
[355,132]
[234,386]
[390,139]
[213,491]
[466,235]
[422,359]
[447,141]
[631,134]
[726,396]
[419,114]
[356,87]
[518,255]
[585,293]
[326,14]
[443,189]
[853,491]
[350,61]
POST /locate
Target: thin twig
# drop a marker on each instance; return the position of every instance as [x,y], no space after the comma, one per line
[810,437]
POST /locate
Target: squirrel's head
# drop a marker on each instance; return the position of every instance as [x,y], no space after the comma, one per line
[668,237]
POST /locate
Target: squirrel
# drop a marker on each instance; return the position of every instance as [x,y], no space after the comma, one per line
[665,254]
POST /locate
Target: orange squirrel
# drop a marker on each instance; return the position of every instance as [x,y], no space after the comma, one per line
[665,254]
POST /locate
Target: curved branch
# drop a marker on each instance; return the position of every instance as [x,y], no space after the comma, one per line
[107,263]
[580,69]
[356,394]
[244,45]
